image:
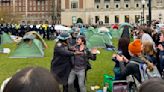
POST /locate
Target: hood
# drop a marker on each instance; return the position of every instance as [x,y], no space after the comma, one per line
[136,59]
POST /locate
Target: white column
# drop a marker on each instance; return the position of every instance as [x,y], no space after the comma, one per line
[112,4]
[132,4]
[26,8]
[121,4]
[14,7]
[102,4]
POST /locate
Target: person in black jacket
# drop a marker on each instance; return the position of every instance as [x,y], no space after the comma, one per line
[61,62]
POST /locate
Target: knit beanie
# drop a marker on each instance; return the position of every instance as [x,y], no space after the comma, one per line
[135,47]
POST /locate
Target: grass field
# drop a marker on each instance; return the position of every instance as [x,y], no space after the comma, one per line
[103,64]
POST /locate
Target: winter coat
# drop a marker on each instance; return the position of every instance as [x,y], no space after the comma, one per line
[61,63]
[131,69]
[161,58]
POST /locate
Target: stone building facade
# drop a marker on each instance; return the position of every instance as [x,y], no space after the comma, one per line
[109,11]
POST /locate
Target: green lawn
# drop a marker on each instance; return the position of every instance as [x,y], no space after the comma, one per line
[103,64]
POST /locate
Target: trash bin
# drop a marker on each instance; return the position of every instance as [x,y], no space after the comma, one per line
[108,82]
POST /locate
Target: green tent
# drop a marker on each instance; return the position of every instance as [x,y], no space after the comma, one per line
[1,49]
[5,38]
[28,48]
[115,33]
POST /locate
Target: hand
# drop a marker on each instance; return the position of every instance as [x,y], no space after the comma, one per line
[125,59]
[120,58]
[94,50]
[114,55]
[160,47]
[78,53]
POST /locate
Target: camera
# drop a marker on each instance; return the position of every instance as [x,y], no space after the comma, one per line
[118,53]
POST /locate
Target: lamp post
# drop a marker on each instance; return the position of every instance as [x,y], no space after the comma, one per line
[160,17]
[149,13]
[143,6]
[141,18]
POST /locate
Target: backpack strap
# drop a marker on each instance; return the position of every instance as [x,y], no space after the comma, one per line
[141,69]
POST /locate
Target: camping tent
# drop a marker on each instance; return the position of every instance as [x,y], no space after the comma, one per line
[29,47]
[5,38]
[1,49]
[32,48]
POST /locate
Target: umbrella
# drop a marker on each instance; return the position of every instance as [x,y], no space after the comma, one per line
[103,29]
[125,24]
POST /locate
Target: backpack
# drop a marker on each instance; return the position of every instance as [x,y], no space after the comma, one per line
[146,74]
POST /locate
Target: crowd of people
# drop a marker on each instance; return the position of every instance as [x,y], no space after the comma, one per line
[45,30]
[71,57]
[146,48]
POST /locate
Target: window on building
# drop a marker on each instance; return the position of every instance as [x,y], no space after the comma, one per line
[117,19]
[127,18]
[127,6]
[46,8]
[19,9]
[106,19]
[43,2]
[117,5]
[46,3]
[34,8]
[74,4]
[137,5]
[38,3]
[159,3]
[147,19]
[107,6]
[38,8]
[34,2]
[42,8]
[23,8]
[137,17]
[97,19]
[30,3]
[97,1]
[30,8]
[116,0]
[97,6]
[126,0]
[20,3]
[106,0]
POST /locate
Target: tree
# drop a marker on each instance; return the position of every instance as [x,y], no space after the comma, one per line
[79,20]
[7,16]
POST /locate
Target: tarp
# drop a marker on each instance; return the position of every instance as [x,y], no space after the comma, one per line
[60,27]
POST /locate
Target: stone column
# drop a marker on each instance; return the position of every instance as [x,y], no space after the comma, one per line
[112,4]
[132,4]
[101,4]
[67,4]
[121,4]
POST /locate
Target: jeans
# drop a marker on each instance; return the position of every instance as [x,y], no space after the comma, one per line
[81,80]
